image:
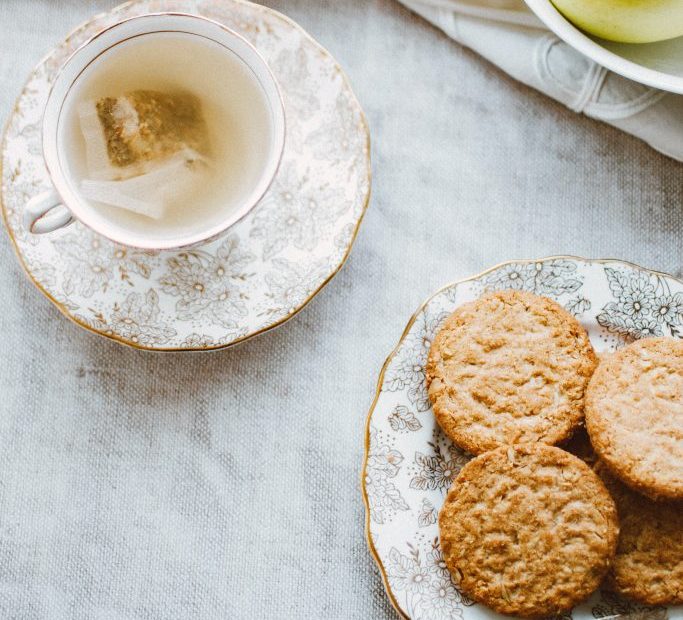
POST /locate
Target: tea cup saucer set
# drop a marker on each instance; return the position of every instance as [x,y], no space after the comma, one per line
[263,262]
[256,269]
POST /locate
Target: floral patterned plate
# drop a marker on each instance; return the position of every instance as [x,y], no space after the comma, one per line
[260,273]
[409,463]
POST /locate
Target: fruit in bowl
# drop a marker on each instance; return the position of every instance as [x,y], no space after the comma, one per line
[626,21]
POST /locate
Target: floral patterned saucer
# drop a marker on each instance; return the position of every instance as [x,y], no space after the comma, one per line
[409,463]
[267,267]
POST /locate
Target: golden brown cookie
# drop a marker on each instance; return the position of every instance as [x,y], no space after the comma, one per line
[528,530]
[510,367]
[634,415]
[648,566]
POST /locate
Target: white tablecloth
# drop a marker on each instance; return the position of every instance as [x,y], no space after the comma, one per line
[226,485]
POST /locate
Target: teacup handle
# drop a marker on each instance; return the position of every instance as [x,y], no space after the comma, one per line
[45,213]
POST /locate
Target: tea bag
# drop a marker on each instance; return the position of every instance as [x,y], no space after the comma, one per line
[144,149]
[150,193]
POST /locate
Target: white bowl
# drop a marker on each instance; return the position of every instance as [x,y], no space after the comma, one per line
[656,64]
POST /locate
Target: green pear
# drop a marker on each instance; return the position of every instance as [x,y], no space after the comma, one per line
[627,21]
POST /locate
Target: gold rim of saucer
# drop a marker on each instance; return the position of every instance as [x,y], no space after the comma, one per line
[380,382]
[362,127]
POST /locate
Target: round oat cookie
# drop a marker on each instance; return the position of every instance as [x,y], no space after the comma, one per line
[508,368]
[634,415]
[528,530]
[648,566]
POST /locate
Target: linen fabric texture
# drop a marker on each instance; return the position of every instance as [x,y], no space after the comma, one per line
[167,486]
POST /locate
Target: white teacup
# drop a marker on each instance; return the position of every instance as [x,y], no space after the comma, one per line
[59,206]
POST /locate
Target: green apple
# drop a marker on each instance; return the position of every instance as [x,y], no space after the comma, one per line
[627,21]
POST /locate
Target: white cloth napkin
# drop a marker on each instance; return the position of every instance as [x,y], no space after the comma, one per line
[510,36]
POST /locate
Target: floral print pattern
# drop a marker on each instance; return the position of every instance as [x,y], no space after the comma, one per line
[613,606]
[436,470]
[294,63]
[424,583]
[289,285]
[644,306]
[92,262]
[209,285]
[409,371]
[428,514]
[614,301]
[267,266]
[303,222]
[402,419]
[335,140]
[384,464]
[552,278]
[137,319]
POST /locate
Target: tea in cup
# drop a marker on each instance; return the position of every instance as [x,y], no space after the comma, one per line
[160,132]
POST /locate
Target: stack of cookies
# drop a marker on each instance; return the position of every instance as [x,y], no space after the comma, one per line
[528,528]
